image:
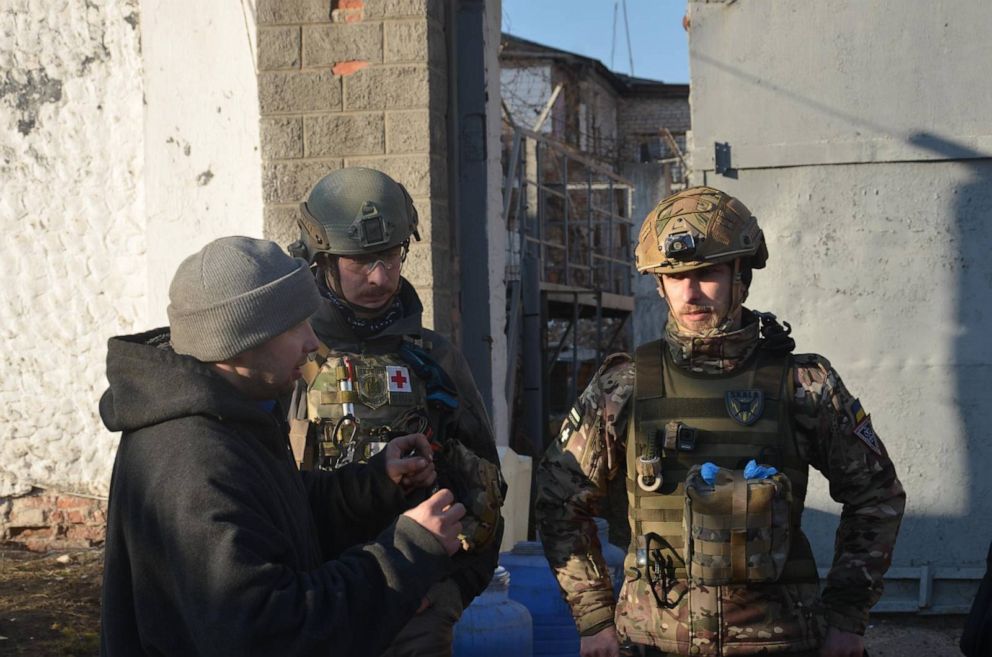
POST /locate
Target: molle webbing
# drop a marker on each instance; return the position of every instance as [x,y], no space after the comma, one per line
[665,392]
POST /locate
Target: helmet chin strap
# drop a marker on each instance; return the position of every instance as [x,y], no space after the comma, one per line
[738,295]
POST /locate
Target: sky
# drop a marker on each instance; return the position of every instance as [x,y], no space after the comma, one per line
[658,43]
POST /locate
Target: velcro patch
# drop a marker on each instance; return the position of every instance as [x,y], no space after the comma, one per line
[867,434]
[858,414]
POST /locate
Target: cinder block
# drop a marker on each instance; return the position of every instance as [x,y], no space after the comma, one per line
[413,171]
[298,91]
[434,220]
[325,45]
[439,175]
[282,138]
[344,134]
[289,182]
[440,314]
[408,40]
[394,87]
[408,132]
[279,223]
[421,266]
[433,9]
[278,47]
[270,12]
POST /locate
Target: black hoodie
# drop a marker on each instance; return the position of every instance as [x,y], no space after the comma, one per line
[217,545]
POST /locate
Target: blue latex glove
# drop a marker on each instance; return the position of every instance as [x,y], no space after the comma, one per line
[754,471]
[708,472]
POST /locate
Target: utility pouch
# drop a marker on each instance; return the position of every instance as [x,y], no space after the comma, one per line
[737,531]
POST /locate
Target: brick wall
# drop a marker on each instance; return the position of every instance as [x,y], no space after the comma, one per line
[44,521]
[359,83]
[640,117]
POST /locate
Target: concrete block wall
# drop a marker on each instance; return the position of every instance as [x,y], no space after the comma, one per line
[359,83]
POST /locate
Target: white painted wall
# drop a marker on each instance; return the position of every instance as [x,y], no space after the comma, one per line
[111,112]
[74,247]
[877,224]
[495,228]
[202,159]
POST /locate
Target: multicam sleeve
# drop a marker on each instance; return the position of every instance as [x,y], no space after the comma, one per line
[571,480]
[843,445]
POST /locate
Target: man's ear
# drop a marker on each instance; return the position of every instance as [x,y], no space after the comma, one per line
[660,280]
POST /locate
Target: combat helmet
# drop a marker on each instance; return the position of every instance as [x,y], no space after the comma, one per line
[354,211]
[699,227]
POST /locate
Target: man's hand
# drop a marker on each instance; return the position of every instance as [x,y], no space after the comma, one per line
[842,644]
[410,462]
[440,515]
[601,644]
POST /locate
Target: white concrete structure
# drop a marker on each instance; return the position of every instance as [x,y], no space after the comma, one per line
[859,136]
[128,139]
[496,230]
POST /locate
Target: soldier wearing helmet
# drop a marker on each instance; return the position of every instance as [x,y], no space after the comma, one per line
[711,430]
[379,373]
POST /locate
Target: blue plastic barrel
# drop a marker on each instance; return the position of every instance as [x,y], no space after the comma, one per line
[534,585]
[494,625]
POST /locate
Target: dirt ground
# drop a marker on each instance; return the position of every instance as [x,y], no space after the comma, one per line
[50,604]
[50,607]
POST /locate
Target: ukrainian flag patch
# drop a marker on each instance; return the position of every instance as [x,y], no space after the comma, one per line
[857,413]
[863,428]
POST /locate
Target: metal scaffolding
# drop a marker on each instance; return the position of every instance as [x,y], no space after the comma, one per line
[569,273]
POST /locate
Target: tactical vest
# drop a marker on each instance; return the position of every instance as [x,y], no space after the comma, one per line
[356,403]
[725,419]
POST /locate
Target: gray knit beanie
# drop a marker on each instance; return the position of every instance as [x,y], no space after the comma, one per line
[236,293]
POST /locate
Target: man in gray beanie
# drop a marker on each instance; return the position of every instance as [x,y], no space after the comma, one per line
[216,543]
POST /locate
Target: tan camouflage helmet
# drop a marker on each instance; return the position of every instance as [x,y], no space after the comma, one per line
[698,227]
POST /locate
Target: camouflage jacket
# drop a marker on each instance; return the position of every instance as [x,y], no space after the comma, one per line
[830,429]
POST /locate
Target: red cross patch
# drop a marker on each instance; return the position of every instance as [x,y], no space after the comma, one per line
[399,378]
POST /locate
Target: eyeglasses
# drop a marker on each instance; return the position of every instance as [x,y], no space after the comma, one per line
[366,264]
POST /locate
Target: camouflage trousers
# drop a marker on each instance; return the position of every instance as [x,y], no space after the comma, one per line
[430,633]
[650,651]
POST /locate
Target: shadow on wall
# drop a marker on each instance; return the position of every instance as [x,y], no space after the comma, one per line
[968,236]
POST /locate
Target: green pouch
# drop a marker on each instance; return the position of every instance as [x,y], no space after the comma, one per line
[737,531]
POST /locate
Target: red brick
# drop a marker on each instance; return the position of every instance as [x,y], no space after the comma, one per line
[71,502]
[347,68]
[37,544]
[349,4]
[85,533]
[76,516]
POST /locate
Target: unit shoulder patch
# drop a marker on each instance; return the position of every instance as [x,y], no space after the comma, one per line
[866,433]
